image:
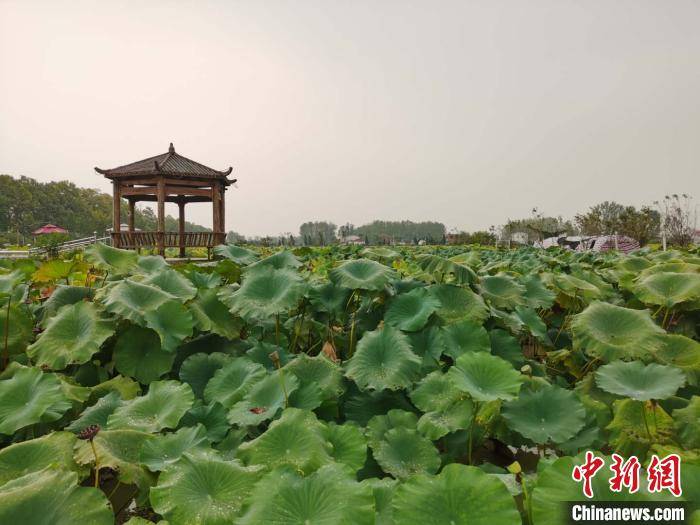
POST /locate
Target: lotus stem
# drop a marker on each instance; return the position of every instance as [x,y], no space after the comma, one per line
[97,464]
[527,505]
[663,323]
[471,433]
[111,492]
[646,423]
[6,348]
[277,330]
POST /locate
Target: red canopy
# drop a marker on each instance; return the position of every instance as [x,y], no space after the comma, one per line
[49,228]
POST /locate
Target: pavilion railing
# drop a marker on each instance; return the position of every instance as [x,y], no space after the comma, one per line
[144,239]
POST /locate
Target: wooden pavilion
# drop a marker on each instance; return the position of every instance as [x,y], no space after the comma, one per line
[169,177]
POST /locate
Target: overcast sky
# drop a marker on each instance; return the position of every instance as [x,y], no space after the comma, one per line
[466,112]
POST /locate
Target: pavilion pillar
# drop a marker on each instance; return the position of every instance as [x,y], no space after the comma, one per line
[116,212]
[216,208]
[160,234]
[181,224]
[222,214]
[132,212]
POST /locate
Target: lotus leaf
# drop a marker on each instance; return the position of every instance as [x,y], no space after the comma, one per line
[157,454]
[328,496]
[29,397]
[459,494]
[198,369]
[297,439]
[410,311]
[137,353]
[73,336]
[485,377]
[668,288]
[639,381]
[362,274]
[52,496]
[383,360]
[132,300]
[237,254]
[231,383]
[113,260]
[162,407]
[19,459]
[550,414]
[465,336]
[502,291]
[458,304]
[612,332]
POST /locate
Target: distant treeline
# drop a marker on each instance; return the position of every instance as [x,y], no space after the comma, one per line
[27,204]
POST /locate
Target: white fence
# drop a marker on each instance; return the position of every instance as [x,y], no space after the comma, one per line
[75,244]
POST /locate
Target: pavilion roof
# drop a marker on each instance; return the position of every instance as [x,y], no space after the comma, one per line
[170,164]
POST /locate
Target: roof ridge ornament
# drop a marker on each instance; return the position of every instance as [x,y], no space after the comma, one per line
[171,149]
[155,163]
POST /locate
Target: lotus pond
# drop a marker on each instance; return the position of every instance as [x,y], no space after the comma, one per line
[339,385]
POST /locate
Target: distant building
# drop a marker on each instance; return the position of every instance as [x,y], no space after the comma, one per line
[352,239]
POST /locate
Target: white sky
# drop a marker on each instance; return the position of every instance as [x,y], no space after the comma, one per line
[466,112]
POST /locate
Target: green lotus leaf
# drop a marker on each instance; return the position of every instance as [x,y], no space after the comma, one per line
[260,353]
[231,383]
[502,291]
[465,336]
[16,326]
[636,426]
[533,322]
[459,304]
[485,377]
[574,290]
[687,423]
[119,450]
[327,297]
[52,496]
[235,253]
[19,459]
[211,416]
[550,414]
[328,496]
[556,486]
[283,259]
[98,413]
[348,444]
[378,426]
[203,490]
[198,369]
[58,269]
[639,381]
[162,407]
[265,293]
[262,402]
[383,360]
[113,260]
[319,371]
[361,407]
[29,397]
[381,252]
[173,323]
[612,332]
[125,386]
[73,336]
[459,494]
[681,352]
[436,391]
[211,315]
[9,281]
[159,453]
[203,281]
[137,353]
[507,347]
[62,296]
[410,311]
[297,439]
[437,424]
[362,274]
[383,492]
[172,282]
[429,345]
[132,300]
[151,263]
[537,295]
[403,453]
[668,288]
[440,268]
